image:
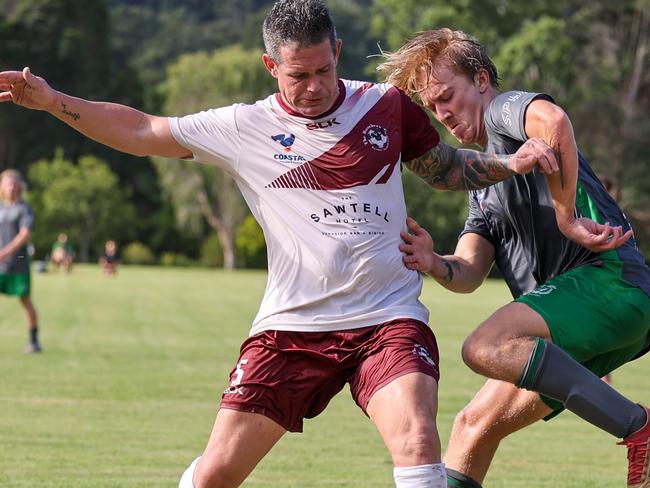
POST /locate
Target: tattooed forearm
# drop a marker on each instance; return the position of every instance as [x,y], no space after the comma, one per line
[65,111]
[447,168]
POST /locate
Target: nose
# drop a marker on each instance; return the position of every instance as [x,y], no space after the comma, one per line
[313,84]
[442,113]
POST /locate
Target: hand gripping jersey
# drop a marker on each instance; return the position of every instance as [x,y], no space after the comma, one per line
[328,195]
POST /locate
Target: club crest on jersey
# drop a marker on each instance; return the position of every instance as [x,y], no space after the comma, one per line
[542,290]
[424,354]
[376,137]
[286,141]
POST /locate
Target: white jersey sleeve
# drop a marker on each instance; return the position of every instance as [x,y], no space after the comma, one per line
[211,135]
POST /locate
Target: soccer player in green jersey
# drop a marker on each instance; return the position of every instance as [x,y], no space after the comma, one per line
[565,249]
[16,222]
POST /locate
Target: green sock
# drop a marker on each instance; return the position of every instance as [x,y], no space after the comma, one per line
[456,479]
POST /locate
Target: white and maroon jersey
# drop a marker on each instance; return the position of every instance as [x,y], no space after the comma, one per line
[328,195]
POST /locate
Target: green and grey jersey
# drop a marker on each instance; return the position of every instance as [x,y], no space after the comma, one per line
[517,215]
[13,217]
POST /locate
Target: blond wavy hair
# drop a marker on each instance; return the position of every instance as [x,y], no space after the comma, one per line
[429,50]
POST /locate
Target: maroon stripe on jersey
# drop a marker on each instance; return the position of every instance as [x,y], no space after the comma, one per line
[373,147]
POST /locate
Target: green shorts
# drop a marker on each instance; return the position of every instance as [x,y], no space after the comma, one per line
[601,320]
[15,284]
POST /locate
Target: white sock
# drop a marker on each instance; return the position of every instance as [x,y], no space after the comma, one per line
[424,476]
[187,480]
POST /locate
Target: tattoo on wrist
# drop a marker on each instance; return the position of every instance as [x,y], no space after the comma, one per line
[450,270]
[447,168]
[65,111]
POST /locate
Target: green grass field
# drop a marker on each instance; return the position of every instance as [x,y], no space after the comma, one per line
[126,391]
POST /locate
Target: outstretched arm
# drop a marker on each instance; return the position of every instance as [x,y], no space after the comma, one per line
[118,126]
[462,272]
[448,168]
[550,123]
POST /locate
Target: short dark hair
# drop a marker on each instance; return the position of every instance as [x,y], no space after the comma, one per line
[304,22]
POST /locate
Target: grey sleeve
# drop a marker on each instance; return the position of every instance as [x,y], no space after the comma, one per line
[476,223]
[506,113]
[26,218]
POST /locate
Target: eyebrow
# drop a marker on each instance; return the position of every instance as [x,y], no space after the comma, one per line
[291,72]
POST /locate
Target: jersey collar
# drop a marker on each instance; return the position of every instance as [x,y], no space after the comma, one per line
[337,103]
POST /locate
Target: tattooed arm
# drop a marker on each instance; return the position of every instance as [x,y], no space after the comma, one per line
[448,168]
[118,126]
[462,272]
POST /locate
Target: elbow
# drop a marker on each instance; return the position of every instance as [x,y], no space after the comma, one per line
[470,287]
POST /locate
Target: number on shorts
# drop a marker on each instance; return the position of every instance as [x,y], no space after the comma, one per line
[239,372]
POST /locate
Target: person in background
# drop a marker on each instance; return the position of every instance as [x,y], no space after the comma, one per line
[62,253]
[109,260]
[16,223]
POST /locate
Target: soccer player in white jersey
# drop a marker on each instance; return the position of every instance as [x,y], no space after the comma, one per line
[319,164]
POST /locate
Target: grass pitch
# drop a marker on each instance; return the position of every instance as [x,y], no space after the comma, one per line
[128,386]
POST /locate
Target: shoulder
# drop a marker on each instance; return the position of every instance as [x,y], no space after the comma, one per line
[505,106]
[24,206]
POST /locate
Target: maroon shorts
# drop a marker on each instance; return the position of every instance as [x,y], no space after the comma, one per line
[289,376]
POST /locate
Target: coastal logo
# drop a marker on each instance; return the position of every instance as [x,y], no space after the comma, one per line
[376,137]
[286,141]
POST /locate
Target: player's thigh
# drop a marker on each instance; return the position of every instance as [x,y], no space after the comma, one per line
[404,412]
[408,399]
[396,384]
[239,440]
[591,311]
[511,321]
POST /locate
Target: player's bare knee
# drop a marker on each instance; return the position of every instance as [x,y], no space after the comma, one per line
[416,443]
[473,352]
[473,426]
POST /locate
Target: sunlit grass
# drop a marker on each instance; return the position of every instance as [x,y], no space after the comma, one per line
[126,391]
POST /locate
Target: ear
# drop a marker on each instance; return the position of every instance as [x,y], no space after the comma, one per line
[270,65]
[482,80]
[337,51]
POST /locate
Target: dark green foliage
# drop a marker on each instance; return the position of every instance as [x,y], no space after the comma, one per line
[250,244]
[83,200]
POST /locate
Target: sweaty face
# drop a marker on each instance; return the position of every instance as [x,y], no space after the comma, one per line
[456,102]
[307,77]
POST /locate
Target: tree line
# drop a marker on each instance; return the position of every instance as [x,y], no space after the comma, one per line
[178,56]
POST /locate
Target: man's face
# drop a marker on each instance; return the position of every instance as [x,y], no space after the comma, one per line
[10,188]
[457,103]
[306,76]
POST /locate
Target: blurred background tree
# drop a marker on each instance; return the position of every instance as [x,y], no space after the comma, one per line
[179,56]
